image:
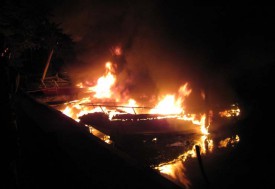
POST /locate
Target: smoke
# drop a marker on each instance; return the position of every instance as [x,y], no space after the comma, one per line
[156,63]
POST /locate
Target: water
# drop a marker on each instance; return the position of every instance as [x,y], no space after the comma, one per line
[174,155]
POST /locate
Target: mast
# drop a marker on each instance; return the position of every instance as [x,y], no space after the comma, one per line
[47,66]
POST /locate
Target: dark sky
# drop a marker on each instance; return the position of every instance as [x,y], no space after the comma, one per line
[173,41]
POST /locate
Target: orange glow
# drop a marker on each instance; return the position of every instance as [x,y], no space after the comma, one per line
[169,104]
[117,51]
[234,111]
[102,136]
[229,141]
[175,170]
[131,103]
[104,83]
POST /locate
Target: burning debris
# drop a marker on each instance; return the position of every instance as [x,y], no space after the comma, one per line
[234,111]
[229,141]
[111,114]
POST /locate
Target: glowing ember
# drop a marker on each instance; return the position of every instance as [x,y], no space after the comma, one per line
[175,171]
[233,112]
[229,141]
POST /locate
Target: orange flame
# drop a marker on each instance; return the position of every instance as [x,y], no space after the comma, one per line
[104,83]
[229,141]
[169,104]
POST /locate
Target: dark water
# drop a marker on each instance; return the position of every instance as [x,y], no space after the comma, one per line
[174,155]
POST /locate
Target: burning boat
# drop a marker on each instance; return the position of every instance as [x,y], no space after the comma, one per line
[133,124]
[103,110]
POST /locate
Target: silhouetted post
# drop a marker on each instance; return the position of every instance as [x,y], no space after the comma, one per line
[201,165]
[47,65]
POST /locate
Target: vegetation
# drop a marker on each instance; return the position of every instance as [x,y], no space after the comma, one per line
[27,31]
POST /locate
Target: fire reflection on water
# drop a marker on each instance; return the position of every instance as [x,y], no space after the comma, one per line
[175,170]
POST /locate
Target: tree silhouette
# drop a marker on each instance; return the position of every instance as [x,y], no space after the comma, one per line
[27,31]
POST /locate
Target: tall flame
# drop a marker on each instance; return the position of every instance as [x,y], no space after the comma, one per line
[170,104]
[104,83]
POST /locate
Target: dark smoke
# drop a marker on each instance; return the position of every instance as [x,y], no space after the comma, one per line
[164,44]
[152,63]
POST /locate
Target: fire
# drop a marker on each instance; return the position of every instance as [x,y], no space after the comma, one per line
[75,109]
[169,104]
[131,103]
[234,111]
[229,141]
[104,83]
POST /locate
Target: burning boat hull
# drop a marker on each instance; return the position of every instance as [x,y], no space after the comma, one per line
[129,124]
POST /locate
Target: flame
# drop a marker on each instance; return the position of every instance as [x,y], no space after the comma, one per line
[234,111]
[169,104]
[131,103]
[229,141]
[105,83]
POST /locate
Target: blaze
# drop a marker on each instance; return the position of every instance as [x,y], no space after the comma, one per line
[170,104]
[104,83]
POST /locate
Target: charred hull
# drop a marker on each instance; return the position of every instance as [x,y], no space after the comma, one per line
[128,124]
